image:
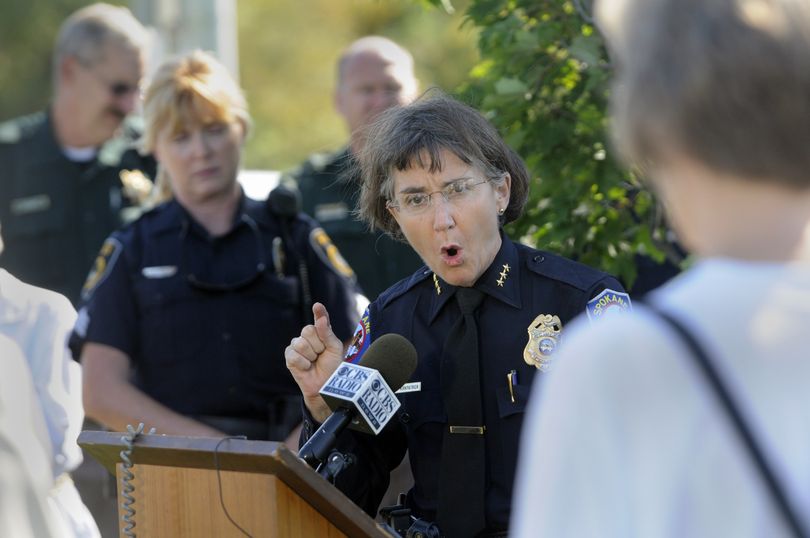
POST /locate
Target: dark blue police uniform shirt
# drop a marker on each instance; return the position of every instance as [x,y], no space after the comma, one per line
[56,213]
[421,308]
[330,189]
[205,329]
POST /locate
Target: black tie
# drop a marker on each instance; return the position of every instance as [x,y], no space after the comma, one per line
[461,487]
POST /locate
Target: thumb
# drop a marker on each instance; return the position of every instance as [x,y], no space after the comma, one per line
[323,327]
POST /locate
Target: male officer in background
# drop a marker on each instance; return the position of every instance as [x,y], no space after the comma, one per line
[373,74]
[62,193]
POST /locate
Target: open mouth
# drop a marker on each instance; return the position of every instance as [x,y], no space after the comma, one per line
[452,255]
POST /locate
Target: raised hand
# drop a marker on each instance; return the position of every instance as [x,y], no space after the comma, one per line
[312,358]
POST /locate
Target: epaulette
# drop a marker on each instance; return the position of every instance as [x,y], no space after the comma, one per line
[404,285]
[10,132]
[133,128]
[564,270]
[14,130]
[319,161]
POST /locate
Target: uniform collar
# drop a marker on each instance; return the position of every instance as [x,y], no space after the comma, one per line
[504,269]
[48,149]
[45,146]
[174,216]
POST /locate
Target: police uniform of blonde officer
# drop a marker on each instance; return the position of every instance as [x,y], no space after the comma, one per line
[485,314]
[62,191]
[187,310]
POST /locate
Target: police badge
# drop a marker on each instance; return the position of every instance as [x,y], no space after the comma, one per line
[544,338]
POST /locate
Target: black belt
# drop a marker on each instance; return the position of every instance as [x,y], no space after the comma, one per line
[283,415]
[255,429]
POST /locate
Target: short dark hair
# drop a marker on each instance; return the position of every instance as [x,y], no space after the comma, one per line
[414,136]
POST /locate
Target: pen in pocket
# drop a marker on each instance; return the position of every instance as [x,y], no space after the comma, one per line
[512,381]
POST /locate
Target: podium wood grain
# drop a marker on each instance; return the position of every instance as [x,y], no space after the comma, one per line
[266,489]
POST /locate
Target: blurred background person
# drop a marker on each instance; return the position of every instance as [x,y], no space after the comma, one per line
[25,452]
[373,74]
[437,174]
[38,322]
[62,193]
[629,437]
[187,310]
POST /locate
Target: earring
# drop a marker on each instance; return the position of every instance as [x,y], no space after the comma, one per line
[501,210]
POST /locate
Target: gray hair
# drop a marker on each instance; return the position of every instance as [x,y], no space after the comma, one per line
[87,31]
[723,82]
[414,136]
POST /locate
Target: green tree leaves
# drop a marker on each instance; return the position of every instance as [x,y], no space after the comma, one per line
[543,81]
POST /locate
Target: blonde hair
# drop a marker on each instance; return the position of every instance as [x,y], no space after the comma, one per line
[193,88]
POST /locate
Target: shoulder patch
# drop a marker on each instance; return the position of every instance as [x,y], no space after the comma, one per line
[104,263]
[361,339]
[329,253]
[608,303]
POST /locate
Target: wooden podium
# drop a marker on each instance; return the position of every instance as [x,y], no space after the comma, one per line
[267,490]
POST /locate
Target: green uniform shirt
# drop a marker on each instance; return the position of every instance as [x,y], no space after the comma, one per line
[330,193]
[56,213]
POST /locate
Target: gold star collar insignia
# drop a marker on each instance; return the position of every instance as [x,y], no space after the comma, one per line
[436,285]
[503,275]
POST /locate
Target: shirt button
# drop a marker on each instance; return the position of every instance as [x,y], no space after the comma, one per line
[226,337]
[405,418]
[231,390]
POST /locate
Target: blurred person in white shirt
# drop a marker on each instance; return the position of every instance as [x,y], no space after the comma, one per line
[38,322]
[627,437]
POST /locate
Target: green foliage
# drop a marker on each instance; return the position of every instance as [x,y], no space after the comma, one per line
[27,32]
[287,55]
[543,81]
[288,51]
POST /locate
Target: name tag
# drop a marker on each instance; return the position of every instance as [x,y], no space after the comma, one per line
[159,271]
[327,212]
[416,386]
[30,204]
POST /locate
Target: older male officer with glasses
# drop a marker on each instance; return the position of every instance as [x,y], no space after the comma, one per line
[62,190]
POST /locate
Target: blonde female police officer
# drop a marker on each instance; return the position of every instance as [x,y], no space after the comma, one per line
[436,173]
[200,295]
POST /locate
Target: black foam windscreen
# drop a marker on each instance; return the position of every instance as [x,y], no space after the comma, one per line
[393,356]
[284,201]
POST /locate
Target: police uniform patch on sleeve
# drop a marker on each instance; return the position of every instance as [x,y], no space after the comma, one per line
[328,252]
[104,263]
[361,339]
[608,303]
[544,339]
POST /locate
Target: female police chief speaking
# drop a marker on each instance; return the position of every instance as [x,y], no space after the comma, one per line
[437,174]
[201,294]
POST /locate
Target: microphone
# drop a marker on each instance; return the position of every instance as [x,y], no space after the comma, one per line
[284,201]
[361,395]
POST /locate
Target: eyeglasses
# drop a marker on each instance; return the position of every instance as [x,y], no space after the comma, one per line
[416,203]
[120,89]
[116,88]
[237,284]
